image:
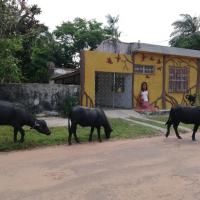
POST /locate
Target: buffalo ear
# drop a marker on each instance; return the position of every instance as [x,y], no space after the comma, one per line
[37,124]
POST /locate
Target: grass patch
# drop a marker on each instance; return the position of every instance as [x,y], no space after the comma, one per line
[164,118]
[125,129]
[149,122]
[158,124]
[122,129]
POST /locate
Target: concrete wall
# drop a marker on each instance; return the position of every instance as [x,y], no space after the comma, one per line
[38,97]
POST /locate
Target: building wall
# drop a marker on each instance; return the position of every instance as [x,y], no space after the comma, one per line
[154,81]
[100,62]
[182,62]
[109,62]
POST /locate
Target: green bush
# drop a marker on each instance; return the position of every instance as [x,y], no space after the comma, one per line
[68,103]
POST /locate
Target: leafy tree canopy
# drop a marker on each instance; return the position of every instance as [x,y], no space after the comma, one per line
[82,34]
[19,33]
[27,48]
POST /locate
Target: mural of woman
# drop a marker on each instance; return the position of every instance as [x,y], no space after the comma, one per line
[143,100]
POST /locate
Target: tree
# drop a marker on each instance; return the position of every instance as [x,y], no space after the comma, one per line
[186,32]
[9,68]
[112,29]
[26,46]
[9,12]
[72,37]
[41,56]
[30,29]
[19,31]
[76,36]
[10,43]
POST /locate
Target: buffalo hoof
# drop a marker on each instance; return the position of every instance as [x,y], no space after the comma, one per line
[193,139]
[100,140]
[69,143]
[179,137]
[166,135]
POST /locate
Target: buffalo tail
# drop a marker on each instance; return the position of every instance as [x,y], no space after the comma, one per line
[69,119]
[169,119]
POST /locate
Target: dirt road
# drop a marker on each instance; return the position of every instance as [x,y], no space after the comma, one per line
[143,169]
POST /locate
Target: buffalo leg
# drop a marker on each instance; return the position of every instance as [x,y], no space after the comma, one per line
[91,133]
[176,131]
[70,136]
[99,135]
[196,126]
[75,136]
[73,129]
[15,134]
[22,135]
[168,129]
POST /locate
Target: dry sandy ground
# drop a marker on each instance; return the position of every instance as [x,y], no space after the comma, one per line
[144,169]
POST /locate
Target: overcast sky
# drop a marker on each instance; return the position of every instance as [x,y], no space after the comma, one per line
[146,20]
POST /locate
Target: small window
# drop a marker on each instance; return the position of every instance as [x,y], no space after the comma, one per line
[178,79]
[144,69]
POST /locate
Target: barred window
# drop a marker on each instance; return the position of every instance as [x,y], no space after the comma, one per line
[119,84]
[144,69]
[178,79]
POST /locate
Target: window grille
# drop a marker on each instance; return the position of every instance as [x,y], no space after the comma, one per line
[144,69]
[119,83]
[178,79]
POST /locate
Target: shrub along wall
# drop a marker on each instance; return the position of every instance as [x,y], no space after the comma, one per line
[36,97]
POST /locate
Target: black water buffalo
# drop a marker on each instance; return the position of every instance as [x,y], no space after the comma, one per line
[187,115]
[92,117]
[10,115]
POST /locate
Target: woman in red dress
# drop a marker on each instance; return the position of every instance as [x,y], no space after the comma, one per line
[143,99]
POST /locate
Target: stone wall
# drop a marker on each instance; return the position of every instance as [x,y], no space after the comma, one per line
[38,97]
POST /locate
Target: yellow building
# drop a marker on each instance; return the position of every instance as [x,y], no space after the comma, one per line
[111,76]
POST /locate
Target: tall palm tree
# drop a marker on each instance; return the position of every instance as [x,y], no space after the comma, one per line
[186,32]
[112,27]
[188,26]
